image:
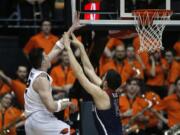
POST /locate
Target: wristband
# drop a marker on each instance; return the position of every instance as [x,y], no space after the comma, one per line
[60,44]
[59,102]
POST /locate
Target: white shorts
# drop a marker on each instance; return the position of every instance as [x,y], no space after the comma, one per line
[45,124]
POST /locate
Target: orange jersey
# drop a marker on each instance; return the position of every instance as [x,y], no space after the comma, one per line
[128,70]
[177,48]
[113,42]
[19,88]
[62,76]
[171,104]
[40,41]
[4,89]
[174,72]
[155,99]
[125,104]
[67,111]
[10,115]
[159,78]
[144,55]
[111,64]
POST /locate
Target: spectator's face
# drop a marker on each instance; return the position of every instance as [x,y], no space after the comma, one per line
[6,100]
[46,27]
[120,52]
[22,73]
[65,57]
[169,56]
[133,87]
[130,52]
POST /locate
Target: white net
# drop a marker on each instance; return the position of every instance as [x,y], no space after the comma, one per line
[150,33]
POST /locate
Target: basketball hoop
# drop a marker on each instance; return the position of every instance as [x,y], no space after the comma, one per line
[150,33]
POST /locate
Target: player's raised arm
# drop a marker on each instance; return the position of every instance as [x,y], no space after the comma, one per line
[59,46]
[94,90]
[88,68]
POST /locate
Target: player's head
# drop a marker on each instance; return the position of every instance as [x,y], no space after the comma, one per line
[111,80]
[39,59]
[46,26]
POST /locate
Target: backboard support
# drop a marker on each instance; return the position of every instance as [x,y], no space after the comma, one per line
[124,17]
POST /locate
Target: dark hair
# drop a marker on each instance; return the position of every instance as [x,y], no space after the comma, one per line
[140,83]
[36,57]
[113,79]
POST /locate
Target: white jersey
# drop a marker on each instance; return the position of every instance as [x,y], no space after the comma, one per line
[33,101]
[40,120]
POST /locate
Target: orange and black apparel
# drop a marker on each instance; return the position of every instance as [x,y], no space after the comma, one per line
[157,82]
[4,88]
[129,70]
[8,116]
[40,41]
[171,105]
[19,88]
[125,104]
[111,64]
[62,76]
[174,72]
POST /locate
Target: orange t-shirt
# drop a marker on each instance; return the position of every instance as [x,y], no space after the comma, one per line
[174,72]
[113,42]
[10,115]
[171,105]
[67,112]
[62,76]
[111,65]
[128,70]
[40,41]
[4,89]
[144,55]
[159,79]
[177,48]
[125,104]
[155,99]
[19,88]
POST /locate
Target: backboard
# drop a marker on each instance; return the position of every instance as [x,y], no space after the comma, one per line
[117,13]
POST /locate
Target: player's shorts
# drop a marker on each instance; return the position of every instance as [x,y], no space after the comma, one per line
[41,123]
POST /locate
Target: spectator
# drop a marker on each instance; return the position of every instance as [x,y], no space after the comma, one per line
[144,55]
[44,39]
[116,62]
[171,105]
[173,71]
[133,66]
[156,74]
[62,74]
[8,113]
[18,85]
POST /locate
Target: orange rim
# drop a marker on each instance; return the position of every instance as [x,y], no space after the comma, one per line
[151,12]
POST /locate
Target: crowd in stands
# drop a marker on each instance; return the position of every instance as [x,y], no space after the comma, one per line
[149,98]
